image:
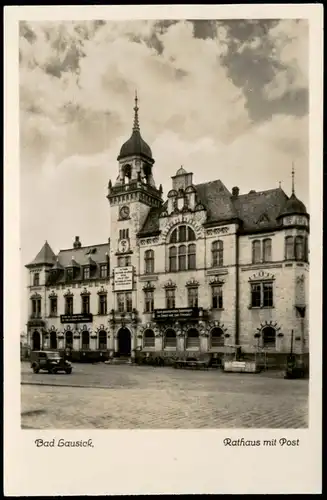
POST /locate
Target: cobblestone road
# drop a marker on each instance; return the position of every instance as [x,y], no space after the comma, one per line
[141,397]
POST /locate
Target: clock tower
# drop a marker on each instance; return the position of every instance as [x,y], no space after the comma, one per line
[131,196]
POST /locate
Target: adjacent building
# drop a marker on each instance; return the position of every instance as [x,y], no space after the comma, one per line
[202,271]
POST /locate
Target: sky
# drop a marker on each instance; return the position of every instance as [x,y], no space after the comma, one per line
[226,99]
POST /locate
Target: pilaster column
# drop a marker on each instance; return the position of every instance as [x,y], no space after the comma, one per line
[133,341]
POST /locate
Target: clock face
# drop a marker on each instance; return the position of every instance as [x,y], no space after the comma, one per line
[124,212]
[123,246]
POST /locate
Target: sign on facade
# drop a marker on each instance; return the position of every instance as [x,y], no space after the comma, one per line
[123,279]
[179,313]
[76,318]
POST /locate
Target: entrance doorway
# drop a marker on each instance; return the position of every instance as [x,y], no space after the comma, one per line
[36,341]
[124,342]
[53,340]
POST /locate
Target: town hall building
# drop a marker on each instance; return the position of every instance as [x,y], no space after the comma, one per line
[204,270]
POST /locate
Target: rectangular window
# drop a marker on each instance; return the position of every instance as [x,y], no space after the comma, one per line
[170,298]
[85,304]
[123,234]
[86,273]
[256,295]
[217,297]
[267,294]
[148,301]
[36,308]
[121,302]
[182,258]
[69,305]
[102,304]
[36,279]
[53,306]
[267,250]
[124,260]
[129,304]
[262,295]
[192,297]
[124,302]
[103,271]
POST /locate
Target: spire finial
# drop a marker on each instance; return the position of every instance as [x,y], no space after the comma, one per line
[280,184]
[136,125]
[293,190]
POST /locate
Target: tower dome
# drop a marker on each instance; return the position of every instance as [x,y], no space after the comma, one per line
[135,144]
[293,206]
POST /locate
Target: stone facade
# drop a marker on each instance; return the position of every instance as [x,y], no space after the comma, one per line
[202,272]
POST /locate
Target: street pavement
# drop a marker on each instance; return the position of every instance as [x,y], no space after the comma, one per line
[104,396]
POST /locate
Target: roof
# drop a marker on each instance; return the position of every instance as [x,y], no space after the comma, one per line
[293,206]
[181,171]
[151,224]
[217,200]
[82,255]
[259,210]
[135,146]
[46,256]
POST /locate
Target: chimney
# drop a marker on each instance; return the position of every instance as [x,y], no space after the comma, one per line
[235,191]
[77,243]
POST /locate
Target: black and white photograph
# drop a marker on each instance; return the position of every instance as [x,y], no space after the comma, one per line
[165,227]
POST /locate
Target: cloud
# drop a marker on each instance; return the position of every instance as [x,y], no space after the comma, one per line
[186,85]
[290,39]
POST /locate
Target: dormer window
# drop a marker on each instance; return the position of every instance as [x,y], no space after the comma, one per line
[103,270]
[86,273]
[69,274]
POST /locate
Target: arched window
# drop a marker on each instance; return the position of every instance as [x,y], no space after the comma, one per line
[192,339]
[53,340]
[69,339]
[256,251]
[217,337]
[191,250]
[289,247]
[217,251]
[170,338]
[149,261]
[269,337]
[85,340]
[102,340]
[148,339]
[299,248]
[267,250]
[182,258]
[173,237]
[190,234]
[172,259]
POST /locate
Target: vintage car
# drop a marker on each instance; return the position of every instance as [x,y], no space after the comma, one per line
[50,361]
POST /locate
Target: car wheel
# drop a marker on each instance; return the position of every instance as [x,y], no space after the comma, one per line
[68,371]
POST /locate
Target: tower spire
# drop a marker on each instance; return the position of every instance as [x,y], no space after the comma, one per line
[136,125]
[293,190]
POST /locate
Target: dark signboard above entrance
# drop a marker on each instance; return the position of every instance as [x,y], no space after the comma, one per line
[177,314]
[76,318]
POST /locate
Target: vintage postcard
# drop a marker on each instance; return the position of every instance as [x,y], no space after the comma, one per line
[163,235]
